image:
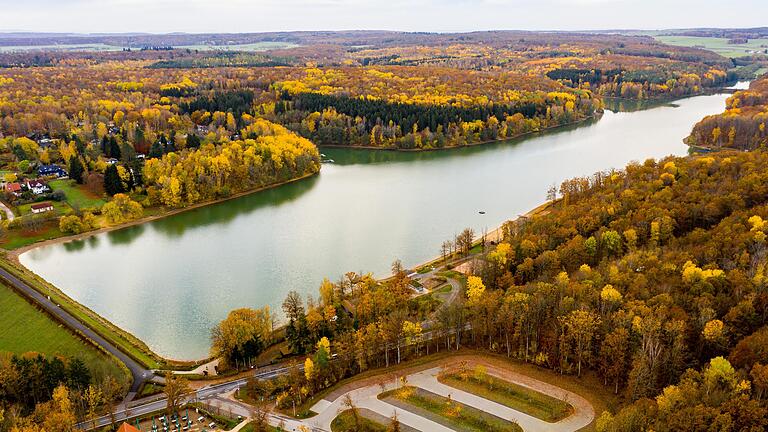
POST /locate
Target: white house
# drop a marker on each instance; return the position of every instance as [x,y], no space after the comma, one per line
[41,207]
[37,187]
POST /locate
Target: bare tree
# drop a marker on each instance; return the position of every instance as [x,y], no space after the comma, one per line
[397,267]
[445,249]
[464,240]
[394,424]
[111,389]
[552,193]
[260,415]
[175,389]
[350,405]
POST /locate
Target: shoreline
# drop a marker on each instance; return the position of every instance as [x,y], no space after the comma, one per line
[593,117]
[709,91]
[493,235]
[14,254]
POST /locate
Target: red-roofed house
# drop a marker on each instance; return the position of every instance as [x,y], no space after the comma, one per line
[14,188]
[125,427]
[37,187]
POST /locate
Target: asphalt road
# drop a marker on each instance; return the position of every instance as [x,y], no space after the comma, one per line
[199,395]
[138,372]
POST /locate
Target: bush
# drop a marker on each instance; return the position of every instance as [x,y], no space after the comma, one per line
[76,225]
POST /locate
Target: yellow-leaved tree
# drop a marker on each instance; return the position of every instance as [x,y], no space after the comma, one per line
[475,289]
[122,209]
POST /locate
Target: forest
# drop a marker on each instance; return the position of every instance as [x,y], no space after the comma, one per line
[652,278]
[741,126]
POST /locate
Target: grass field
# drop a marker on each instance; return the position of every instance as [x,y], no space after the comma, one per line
[76,195]
[254,47]
[60,207]
[512,395]
[63,47]
[452,414]
[345,422]
[149,389]
[24,328]
[251,427]
[718,45]
[15,239]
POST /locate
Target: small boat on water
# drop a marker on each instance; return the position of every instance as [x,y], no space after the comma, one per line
[481,212]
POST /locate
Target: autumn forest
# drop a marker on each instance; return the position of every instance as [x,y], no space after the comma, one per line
[648,283]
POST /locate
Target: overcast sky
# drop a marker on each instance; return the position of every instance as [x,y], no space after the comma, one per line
[237,16]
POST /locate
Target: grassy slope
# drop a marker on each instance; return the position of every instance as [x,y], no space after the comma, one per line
[512,395]
[23,329]
[126,342]
[718,45]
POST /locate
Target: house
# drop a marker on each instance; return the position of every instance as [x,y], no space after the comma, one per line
[37,187]
[14,188]
[41,207]
[45,143]
[49,170]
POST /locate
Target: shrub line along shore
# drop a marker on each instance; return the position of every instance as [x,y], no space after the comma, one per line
[15,253]
[593,117]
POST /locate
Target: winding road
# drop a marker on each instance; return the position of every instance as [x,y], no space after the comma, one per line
[8,212]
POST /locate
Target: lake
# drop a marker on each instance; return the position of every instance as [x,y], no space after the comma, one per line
[169,281]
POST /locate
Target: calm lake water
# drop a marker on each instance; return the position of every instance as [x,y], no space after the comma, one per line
[169,281]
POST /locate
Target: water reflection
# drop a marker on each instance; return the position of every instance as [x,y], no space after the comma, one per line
[189,270]
[223,213]
[126,235]
[74,245]
[346,156]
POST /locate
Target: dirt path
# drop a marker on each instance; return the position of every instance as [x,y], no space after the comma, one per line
[210,367]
